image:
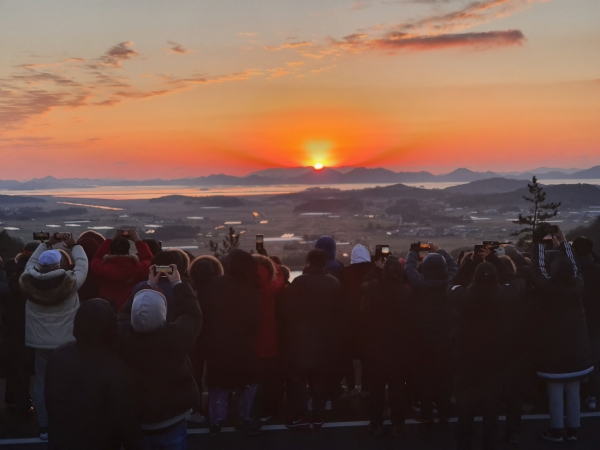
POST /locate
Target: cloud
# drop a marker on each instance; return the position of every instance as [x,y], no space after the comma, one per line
[291,45]
[294,63]
[360,4]
[248,34]
[401,41]
[177,48]
[323,69]
[34,90]
[115,55]
[276,73]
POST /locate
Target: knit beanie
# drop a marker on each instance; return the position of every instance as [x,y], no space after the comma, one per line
[486,274]
[149,311]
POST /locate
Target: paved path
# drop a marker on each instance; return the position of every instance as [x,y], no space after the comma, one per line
[355,436]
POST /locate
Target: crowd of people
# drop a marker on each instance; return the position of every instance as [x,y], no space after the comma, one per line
[123,343]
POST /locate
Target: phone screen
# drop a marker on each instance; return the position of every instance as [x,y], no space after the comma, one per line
[41,236]
[385,251]
[163,270]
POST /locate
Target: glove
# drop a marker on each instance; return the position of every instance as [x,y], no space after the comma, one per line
[415,247]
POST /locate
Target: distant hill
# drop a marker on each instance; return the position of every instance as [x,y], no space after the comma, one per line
[489,186]
[301,175]
[19,199]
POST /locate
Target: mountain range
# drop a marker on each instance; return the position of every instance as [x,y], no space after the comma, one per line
[306,176]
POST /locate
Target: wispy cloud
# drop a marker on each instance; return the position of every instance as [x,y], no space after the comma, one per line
[176,48]
[402,41]
[248,34]
[115,55]
[291,45]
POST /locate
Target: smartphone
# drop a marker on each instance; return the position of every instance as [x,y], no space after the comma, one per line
[41,236]
[478,248]
[553,229]
[163,270]
[62,236]
[491,244]
[378,249]
[424,247]
[260,241]
[385,251]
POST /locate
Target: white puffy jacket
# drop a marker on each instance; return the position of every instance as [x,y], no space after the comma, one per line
[52,300]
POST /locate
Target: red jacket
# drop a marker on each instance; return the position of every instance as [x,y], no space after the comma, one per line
[118,274]
[266,342]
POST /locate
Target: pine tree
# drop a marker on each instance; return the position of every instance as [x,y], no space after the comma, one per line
[539,213]
[230,243]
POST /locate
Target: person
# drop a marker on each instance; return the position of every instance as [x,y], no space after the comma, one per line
[90,394]
[310,315]
[564,353]
[233,317]
[52,303]
[157,353]
[203,271]
[154,246]
[19,357]
[166,258]
[91,287]
[352,279]
[117,270]
[388,343]
[435,330]
[481,344]
[588,264]
[328,245]
[271,385]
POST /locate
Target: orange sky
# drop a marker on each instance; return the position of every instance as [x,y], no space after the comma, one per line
[196,88]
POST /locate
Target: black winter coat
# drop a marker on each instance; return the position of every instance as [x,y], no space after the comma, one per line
[90,396]
[562,343]
[310,320]
[481,336]
[589,268]
[162,369]
[390,322]
[435,315]
[232,323]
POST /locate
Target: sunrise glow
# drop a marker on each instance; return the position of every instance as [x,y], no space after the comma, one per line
[318,166]
[419,85]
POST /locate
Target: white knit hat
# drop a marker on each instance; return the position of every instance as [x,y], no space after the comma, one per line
[149,311]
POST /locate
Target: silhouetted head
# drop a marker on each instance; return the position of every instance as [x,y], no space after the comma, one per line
[392,269]
[434,267]
[485,275]
[89,246]
[204,270]
[285,270]
[316,258]
[119,246]
[241,267]
[582,246]
[173,256]
[95,323]
[328,245]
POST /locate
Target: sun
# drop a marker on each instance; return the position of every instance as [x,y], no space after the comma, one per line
[318,166]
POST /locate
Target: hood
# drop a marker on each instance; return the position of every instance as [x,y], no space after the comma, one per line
[434,267]
[48,289]
[360,254]
[122,259]
[148,311]
[94,235]
[327,244]
[95,323]
[485,275]
[205,269]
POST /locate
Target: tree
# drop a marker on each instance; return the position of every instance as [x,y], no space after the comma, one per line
[539,213]
[230,243]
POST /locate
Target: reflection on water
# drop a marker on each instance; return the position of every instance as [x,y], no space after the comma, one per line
[147,192]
